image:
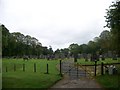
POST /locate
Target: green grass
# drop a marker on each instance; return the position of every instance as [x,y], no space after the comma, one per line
[110,81]
[106,61]
[29,78]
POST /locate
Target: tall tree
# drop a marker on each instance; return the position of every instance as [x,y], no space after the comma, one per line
[50,50]
[113,22]
[105,41]
[74,48]
[5,37]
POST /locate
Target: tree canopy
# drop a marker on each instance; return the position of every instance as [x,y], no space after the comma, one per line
[17,44]
[113,22]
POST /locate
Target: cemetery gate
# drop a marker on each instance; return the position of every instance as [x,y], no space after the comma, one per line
[72,70]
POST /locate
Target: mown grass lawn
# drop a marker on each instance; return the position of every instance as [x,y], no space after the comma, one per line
[29,78]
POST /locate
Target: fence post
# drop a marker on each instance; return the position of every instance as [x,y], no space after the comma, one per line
[34,67]
[60,68]
[14,67]
[77,69]
[102,70]
[47,69]
[69,70]
[95,66]
[23,67]
[85,70]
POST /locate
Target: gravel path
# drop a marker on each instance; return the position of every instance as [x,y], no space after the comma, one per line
[75,78]
[76,83]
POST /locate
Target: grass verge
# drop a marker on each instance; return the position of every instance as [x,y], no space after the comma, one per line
[110,81]
[29,78]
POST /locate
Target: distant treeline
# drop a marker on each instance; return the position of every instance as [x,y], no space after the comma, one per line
[17,44]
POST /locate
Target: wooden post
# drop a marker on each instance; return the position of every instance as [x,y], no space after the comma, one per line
[85,70]
[95,66]
[34,67]
[60,68]
[102,69]
[69,70]
[77,69]
[23,67]
[47,69]
[14,67]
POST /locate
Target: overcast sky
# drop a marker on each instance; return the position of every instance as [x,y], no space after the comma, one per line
[57,23]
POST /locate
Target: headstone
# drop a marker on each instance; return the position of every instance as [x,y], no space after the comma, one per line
[109,54]
[110,70]
[114,70]
[114,57]
[25,58]
[79,56]
[85,57]
[89,56]
[106,69]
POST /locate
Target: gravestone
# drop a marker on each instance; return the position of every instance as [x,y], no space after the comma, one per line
[109,54]
[25,58]
[85,56]
[114,57]
[106,69]
[114,70]
[110,70]
[79,56]
[93,57]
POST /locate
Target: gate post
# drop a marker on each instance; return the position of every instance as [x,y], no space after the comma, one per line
[60,68]
[77,69]
[69,70]
[47,69]
[102,70]
[95,66]
[85,70]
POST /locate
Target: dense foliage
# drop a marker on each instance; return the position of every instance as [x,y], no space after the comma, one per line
[17,44]
[113,22]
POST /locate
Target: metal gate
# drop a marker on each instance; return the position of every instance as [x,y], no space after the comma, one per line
[73,70]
